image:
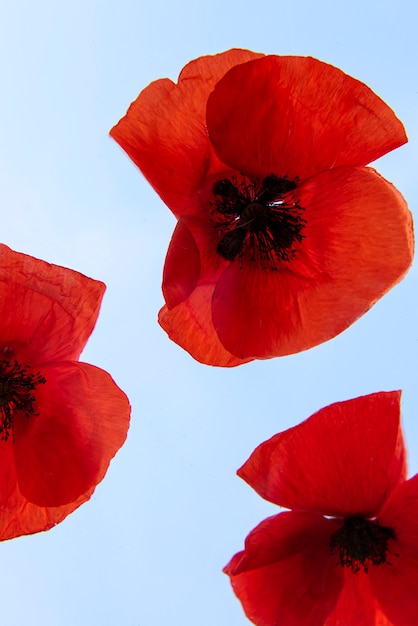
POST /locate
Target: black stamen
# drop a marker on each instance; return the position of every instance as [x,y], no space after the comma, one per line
[231,243]
[361,542]
[273,186]
[17,383]
[263,221]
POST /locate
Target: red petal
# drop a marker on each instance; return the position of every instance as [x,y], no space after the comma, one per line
[358,244]
[395,585]
[64,452]
[48,312]
[344,460]
[357,604]
[191,259]
[297,116]
[18,516]
[286,574]
[182,266]
[190,326]
[164,130]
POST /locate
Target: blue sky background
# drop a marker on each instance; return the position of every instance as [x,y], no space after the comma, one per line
[148,549]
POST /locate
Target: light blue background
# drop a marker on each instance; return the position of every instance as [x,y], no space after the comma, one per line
[148,549]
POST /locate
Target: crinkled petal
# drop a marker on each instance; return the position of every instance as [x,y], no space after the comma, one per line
[395,585]
[286,574]
[64,451]
[343,460]
[190,326]
[48,312]
[297,116]
[164,130]
[357,605]
[358,243]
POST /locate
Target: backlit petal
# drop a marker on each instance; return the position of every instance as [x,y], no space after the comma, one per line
[47,312]
[395,585]
[286,574]
[65,450]
[18,516]
[21,517]
[357,605]
[191,259]
[182,266]
[344,460]
[297,116]
[190,326]
[164,130]
[358,244]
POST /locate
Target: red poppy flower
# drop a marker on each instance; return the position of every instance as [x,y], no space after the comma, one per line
[61,421]
[347,551]
[284,238]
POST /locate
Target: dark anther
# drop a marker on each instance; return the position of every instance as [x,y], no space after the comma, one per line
[231,243]
[361,542]
[17,383]
[263,220]
[274,186]
[224,187]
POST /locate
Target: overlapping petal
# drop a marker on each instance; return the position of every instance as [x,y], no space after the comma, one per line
[338,273]
[353,475]
[48,312]
[164,130]
[61,421]
[23,518]
[353,532]
[357,244]
[241,116]
[286,574]
[357,603]
[182,266]
[65,450]
[297,116]
[190,325]
[18,515]
[395,585]
[190,259]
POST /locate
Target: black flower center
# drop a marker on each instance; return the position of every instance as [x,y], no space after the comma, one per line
[360,543]
[263,221]
[17,384]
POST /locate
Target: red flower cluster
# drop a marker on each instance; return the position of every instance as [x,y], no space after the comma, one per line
[284,237]
[61,421]
[347,551]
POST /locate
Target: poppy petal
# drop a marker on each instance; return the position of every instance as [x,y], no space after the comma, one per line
[182,266]
[357,603]
[297,116]
[48,311]
[20,517]
[190,259]
[190,326]
[286,574]
[8,477]
[343,460]
[64,450]
[358,244]
[395,583]
[164,130]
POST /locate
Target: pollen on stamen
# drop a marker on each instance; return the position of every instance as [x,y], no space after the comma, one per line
[17,384]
